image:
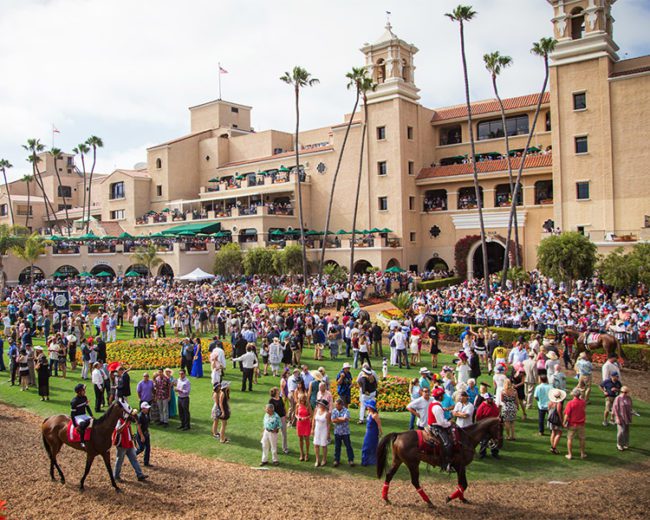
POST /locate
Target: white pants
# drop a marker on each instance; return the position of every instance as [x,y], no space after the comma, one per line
[112,335]
[269,442]
[393,356]
[85,370]
[362,403]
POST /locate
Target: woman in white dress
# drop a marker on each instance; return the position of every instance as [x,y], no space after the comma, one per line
[275,356]
[414,346]
[499,380]
[320,428]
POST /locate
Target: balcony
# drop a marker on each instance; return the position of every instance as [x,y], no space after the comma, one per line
[619,237]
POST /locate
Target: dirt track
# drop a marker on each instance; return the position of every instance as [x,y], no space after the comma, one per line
[185,486]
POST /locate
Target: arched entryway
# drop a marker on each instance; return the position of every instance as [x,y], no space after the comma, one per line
[495,253]
[166,270]
[331,262]
[102,268]
[361,266]
[25,275]
[67,271]
[393,262]
[138,268]
[436,264]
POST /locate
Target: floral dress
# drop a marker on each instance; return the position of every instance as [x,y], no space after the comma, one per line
[508,407]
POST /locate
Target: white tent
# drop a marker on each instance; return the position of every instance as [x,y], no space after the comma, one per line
[196,276]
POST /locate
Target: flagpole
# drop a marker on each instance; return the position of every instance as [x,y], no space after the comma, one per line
[219,64]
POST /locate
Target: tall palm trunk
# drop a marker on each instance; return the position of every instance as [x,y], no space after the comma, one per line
[513,206]
[27,215]
[300,215]
[336,174]
[90,186]
[65,202]
[356,199]
[83,205]
[11,208]
[477,190]
[48,204]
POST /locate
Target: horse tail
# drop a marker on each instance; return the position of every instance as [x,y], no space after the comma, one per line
[619,347]
[382,452]
[45,443]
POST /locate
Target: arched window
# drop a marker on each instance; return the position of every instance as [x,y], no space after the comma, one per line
[544,192]
[548,121]
[381,70]
[159,163]
[577,23]
[467,198]
[503,196]
[406,71]
[435,200]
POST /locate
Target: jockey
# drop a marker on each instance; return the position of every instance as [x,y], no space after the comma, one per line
[438,425]
[79,406]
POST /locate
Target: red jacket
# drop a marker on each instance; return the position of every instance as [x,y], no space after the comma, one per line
[486,410]
[123,439]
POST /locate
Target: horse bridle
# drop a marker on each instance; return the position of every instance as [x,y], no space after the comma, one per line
[498,442]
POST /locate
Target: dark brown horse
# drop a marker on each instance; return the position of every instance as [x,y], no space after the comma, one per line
[607,342]
[406,451]
[55,435]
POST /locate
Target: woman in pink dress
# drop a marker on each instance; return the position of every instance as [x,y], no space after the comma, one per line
[303,425]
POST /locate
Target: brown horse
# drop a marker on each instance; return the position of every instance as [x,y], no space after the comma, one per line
[406,451]
[607,342]
[55,435]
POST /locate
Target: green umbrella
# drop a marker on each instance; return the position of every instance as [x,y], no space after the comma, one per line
[203,235]
[103,274]
[214,179]
[342,232]
[262,173]
[108,237]
[292,232]
[221,234]
[88,236]
[386,230]
[240,177]
[124,234]
[283,169]
[395,269]
[312,233]
[185,233]
[358,232]
[59,275]
[131,274]
[166,210]
[158,235]
[277,232]
[365,232]
[375,230]
[85,274]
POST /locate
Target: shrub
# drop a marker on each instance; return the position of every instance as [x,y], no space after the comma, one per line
[392,394]
[94,307]
[402,301]
[452,331]
[439,284]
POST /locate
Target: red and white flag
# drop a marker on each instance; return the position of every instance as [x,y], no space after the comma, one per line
[222,70]
[55,130]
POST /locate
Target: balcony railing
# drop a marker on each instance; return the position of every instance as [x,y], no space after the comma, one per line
[619,236]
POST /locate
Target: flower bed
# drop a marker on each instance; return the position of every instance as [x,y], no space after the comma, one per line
[392,394]
[285,306]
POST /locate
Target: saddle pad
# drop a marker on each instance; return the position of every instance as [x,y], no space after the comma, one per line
[593,338]
[73,434]
[423,445]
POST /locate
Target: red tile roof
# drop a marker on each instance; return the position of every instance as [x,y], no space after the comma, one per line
[499,165]
[629,72]
[487,106]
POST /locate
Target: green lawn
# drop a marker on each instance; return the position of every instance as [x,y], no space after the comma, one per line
[527,457]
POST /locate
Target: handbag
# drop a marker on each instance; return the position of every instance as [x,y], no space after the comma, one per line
[554,418]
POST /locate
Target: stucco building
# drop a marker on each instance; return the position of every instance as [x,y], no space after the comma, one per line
[584,171]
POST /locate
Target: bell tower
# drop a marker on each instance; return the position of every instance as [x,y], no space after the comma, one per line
[390,63]
[583,30]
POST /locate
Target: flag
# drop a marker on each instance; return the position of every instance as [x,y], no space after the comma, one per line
[222,70]
[55,130]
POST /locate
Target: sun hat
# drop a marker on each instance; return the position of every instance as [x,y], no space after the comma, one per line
[424,370]
[323,402]
[371,403]
[487,395]
[551,355]
[316,375]
[555,395]
[366,370]
[145,405]
[38,348]
[346,365]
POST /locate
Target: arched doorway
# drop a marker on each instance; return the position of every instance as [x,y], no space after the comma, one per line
[68,271]
[495,254]
[25,275]
[141,269]
[331,262]
[393,262]
[436,264]
[99,268]
[166,270]
[361,266]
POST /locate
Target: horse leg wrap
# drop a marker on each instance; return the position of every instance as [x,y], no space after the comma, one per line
[424,496]
[384,491]
[458,493]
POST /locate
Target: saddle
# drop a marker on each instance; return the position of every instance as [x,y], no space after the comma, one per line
[73,433]
[429,443]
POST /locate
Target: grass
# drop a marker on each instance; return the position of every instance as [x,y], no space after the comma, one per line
[527,457]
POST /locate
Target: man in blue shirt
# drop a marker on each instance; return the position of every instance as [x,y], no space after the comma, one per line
[541,396]
[344,383]
[13,365]
[2,356]
[611,387]
[341,420]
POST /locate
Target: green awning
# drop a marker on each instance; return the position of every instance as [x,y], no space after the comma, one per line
[103,274]
[125,235]
[395,269]
[214,179]
[196,227]
[131,274]
[277,232]
[85,274]
[221,234]
[283,169]
[385,230]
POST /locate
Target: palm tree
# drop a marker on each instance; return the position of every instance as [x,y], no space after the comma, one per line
[462,14]
[29,251]
[10,237]
[4,164]
[494,63]
[27,179]
[364,84]
[34,147]
[56,155]
[82,149]
[147,256]
[543,48]
[299,78]
[94,142]
[353,77]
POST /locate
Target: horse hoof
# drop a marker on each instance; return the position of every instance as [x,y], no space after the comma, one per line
[447,500]
[387,502]
[430,505]
[464,501]
[118,490]
[81,489]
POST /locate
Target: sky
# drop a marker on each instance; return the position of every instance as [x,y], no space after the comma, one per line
[127,70]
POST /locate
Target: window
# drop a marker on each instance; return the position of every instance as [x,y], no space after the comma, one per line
[159,190]
[116,190]
[580,101]
[24,210]
[118,214]
[381,133]
[234,125]
[64,191]
[516,125]
[69,170]
[581,230]
[577,23]
[548,121]
[380,69]
[582,144]
[451,135]
[381,168]
[412,236]
[411,167]
[409,132]
[234,110]
[582,190]
[64,206]
[383,203]
[159,163]
[412,203]
[4,211]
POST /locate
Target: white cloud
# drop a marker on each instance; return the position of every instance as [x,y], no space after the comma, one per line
[127,70]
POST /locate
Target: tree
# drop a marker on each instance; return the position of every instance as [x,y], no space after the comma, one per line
[353,79]
[28,179]
[403,301]
[289,260]
[641,257]
[56,156]
[542,48]
[335,273]
[147,256]
[4,164]
[260,260]
[299,78]
[94,142]
[364,84]
[81,150]
[35,147]
[462,14]
[10,237]
[495,63]
[567,257]
[618,269]
[29,250]
[228,260]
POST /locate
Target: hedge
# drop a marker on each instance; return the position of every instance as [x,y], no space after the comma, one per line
[452,332]
[439,284]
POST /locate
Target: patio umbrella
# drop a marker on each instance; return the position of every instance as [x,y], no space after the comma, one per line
[277,232]
[311,232]
[59,275]
[88,236]
[125,235]
[375,230]
[283,169]
[103,274]
[342,232]
[292,232]
[84,274]
[395,269]
[132,274]
[214,179]
[166,210]
[386,230]
[158,235]
[203,235]
[220,234]
[108,237]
